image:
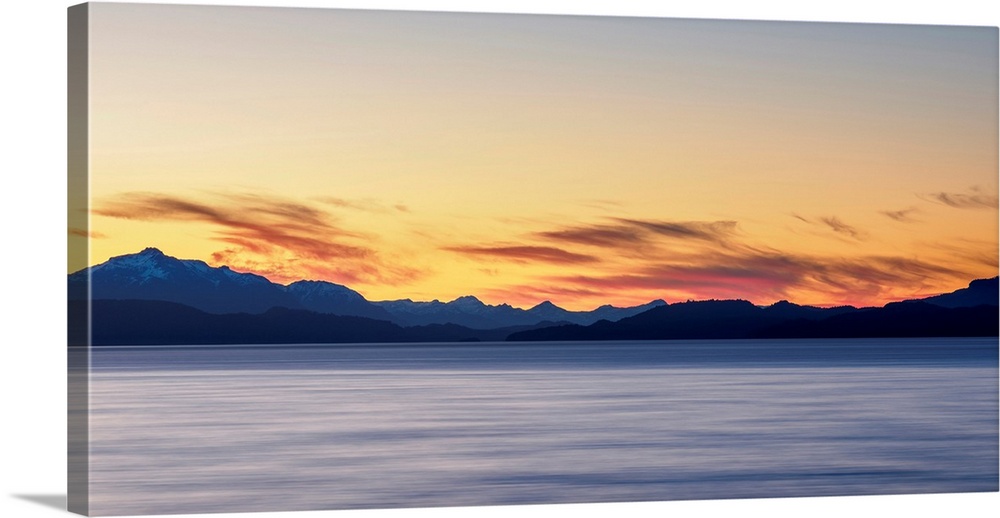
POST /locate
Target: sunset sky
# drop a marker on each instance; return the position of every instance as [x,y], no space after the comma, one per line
[582,160]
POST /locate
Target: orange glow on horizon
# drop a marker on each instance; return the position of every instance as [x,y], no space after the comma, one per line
[600,161]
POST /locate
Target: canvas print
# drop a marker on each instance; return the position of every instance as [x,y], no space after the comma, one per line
[340,259]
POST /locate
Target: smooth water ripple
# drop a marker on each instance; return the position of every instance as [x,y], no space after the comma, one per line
[235,429]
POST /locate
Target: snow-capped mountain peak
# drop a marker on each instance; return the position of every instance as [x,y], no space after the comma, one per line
[468,302]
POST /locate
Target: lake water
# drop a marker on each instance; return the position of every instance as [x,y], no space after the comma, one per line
[190,430]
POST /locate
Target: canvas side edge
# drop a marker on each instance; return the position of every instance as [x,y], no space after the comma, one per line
[78,253]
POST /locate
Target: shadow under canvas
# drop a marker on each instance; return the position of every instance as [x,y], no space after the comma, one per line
[55,501]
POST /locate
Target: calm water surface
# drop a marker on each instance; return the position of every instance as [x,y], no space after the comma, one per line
[189,429]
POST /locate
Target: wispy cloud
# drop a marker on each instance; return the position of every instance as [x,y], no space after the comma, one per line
[982,252]
[634,232]
[903,216]
[79,232]
[707,260]
[528,296]
[705,230]
[623,261]
[840,227]
[524,253]
[362,205]
[283,239]
[602,204]
[759,276]
[254,222]
[977,198]
[835,224]
[621,234]
[596,235]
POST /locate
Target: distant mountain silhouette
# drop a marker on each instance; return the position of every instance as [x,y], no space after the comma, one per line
[550,311]
[710,319]
[465,311]
[964,315]
[899,319]
[788,311]
[979,292]
[147,322]
[153,275]
[152,298]
[469,311]
[150,322]
[327,297]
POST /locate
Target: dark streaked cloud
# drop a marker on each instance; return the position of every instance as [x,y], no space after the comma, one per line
[528,296]
[635,232]
[279,208]
[976,199]
[596,235]
[603,204]
[362,205]
[710,260]
[903,216]
[151,206]
[717,276]
[550,246]
[342,203]
[969,251]
[705,230]
[835,224]
[840,227]
[79,232]
[761,276]
[255,222]
[525,253]
[267,234]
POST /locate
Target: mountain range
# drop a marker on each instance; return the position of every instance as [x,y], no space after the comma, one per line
[152,298]
[153,275]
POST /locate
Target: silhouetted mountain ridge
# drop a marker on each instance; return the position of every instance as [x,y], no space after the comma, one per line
[979,292]
[908,319]
[941,315]
[150,297]
[153,275]
[327,297]
[469,311]
[153,322]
